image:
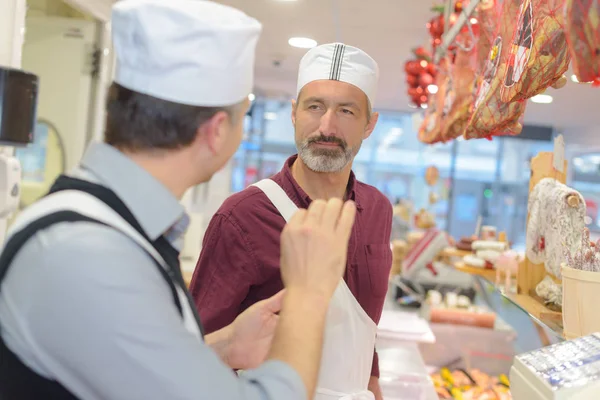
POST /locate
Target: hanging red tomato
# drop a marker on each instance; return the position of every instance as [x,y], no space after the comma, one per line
[412,80]
[436,26]
[416,92]
[421,52]
[425,80]
[431,69]
[413,67]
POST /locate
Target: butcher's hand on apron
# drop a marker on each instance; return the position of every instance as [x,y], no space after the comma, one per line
[326,394]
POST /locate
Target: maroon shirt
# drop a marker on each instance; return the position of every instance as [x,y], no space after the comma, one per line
[239,263]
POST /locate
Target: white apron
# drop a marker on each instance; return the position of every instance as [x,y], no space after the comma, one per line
[349,339]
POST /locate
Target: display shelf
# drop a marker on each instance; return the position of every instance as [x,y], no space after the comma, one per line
[545,317]
[450,252]
[488,274]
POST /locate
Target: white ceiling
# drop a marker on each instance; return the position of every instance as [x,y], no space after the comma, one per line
[387,30]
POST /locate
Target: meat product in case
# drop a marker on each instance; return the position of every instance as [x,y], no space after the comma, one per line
[538,55]
[492,116]
[583,38]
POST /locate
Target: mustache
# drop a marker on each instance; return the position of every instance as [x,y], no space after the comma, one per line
[328,139]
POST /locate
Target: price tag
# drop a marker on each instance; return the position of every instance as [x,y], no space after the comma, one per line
[558,159]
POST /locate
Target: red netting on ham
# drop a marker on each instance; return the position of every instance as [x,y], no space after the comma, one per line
[459,90]
[487,18]
[539,54]
[491,116]
[430,130]
[583,37]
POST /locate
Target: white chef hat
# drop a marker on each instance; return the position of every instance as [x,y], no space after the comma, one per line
[191,52]
[337,61]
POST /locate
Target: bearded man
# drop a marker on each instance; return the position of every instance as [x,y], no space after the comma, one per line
[240,258]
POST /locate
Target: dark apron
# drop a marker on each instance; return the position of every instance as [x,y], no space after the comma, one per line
[19,382]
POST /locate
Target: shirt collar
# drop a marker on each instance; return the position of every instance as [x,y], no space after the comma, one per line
[293,189]
[156,209]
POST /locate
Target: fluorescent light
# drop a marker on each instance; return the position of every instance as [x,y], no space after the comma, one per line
[251,97]
[433,89]
[302,42]
[542,99]
[578,162]
[270,116]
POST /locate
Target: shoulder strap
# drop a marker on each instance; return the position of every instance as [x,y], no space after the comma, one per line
[100,204]
[278,197]
[18,239]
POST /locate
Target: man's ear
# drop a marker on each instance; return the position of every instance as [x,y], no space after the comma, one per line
[294,105]
[371,125]
[213,132]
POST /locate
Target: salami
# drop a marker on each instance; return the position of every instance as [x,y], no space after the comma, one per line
[538,55]
[491,116]
[583,38]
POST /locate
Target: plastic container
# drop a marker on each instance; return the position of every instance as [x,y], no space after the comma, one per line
[581,296]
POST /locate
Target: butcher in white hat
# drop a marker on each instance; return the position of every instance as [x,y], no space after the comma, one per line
[239,264]
[92,301]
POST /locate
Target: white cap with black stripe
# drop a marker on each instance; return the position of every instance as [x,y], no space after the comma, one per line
[340,62]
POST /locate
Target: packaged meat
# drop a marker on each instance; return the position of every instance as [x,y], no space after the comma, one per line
[539,54]
[459,93]
[583,38]
[491,116]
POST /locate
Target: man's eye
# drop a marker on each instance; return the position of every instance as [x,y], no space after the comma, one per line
[313,107]
[346,111]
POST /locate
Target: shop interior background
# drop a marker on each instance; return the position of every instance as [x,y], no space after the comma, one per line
[65,43]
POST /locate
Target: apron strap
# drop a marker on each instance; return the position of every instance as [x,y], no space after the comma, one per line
[278,197]
[167,255]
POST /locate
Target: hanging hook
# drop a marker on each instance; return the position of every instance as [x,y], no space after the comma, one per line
[473,40]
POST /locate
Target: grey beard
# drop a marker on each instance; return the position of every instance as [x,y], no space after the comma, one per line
[325,160]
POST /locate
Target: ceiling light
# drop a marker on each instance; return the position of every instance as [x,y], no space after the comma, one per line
[302,42]
[574,79]
[251,97]
[542,99]
[270,116]
[433,89]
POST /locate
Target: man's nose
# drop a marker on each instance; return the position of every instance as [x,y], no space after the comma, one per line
[328,126]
